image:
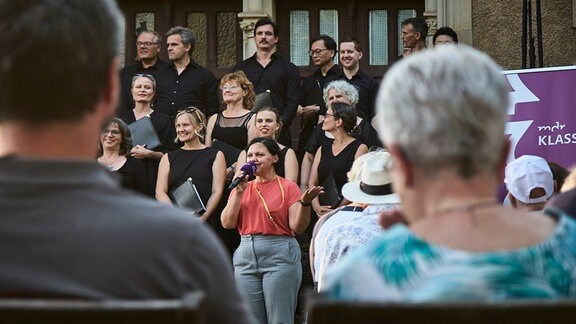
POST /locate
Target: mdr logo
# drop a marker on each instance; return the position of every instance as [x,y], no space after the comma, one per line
[542,114]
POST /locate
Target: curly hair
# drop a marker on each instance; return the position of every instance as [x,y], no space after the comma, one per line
[240,77]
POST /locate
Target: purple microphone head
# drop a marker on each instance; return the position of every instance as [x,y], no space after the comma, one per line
[250,170]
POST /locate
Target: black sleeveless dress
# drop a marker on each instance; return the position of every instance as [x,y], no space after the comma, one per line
[232,130]
[281,170]
[195,164]
[339,165]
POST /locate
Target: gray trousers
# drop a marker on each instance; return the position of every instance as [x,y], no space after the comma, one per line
[268,274]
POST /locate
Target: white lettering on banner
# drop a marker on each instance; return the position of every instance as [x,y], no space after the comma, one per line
[552,128]
[551,140]
[520,94]
[555,139]
[516,130]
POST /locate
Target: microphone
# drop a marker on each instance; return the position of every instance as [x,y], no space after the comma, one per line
[247,169]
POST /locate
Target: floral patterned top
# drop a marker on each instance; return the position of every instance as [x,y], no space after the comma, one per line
[400,266]
[343,238]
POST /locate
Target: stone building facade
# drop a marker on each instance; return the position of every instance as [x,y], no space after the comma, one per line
[224,28]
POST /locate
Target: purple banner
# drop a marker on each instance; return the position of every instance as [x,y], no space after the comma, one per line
[542,114]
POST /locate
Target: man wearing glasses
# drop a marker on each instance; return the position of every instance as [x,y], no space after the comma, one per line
[312,109]
[322,52]
[148,47]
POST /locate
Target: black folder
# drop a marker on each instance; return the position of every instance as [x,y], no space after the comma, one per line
[186,196]
[330,197]
[143,133]
[263,99]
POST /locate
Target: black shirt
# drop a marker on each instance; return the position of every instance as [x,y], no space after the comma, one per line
[195,86]
[126,75]
[313,87]
[367,91]
[281,77]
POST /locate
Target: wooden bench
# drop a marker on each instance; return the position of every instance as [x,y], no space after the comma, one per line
[189,309]
[521,312]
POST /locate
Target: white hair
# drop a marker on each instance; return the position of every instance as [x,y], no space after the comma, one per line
[343,87]
[445,107]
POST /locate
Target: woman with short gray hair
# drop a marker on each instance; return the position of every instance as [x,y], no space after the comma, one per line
[442,115]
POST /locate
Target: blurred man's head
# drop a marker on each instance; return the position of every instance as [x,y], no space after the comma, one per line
[58,59]
[414,32]
[444,35]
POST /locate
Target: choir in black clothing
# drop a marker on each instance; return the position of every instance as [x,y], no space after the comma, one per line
[166,88]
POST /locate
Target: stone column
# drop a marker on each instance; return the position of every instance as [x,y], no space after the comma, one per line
[458,16]
[253,10]
[431,16]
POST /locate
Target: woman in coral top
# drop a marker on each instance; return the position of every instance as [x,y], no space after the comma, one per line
[268,212]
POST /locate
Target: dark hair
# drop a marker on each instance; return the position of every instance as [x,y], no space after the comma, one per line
[186,34]
[348,115]
[445,31]
[559,174]
[329,42]
[65,49]
[125,144]
[419,25]
[266,21]
[357,45]
[271,146]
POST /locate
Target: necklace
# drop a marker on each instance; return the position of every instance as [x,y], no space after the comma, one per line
[111,164]
[469,208]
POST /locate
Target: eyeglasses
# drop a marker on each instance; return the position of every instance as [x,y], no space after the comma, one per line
[145,44]
[144,75]
[192,110]
[112,133]
[317,52]
[230,87]
[326,115]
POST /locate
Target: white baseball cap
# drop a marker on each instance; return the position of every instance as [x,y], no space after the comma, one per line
[526,173]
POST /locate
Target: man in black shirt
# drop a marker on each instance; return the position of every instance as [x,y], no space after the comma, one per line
[350,55]
[269,71]
[312,106]
[185,83]
[148,46]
